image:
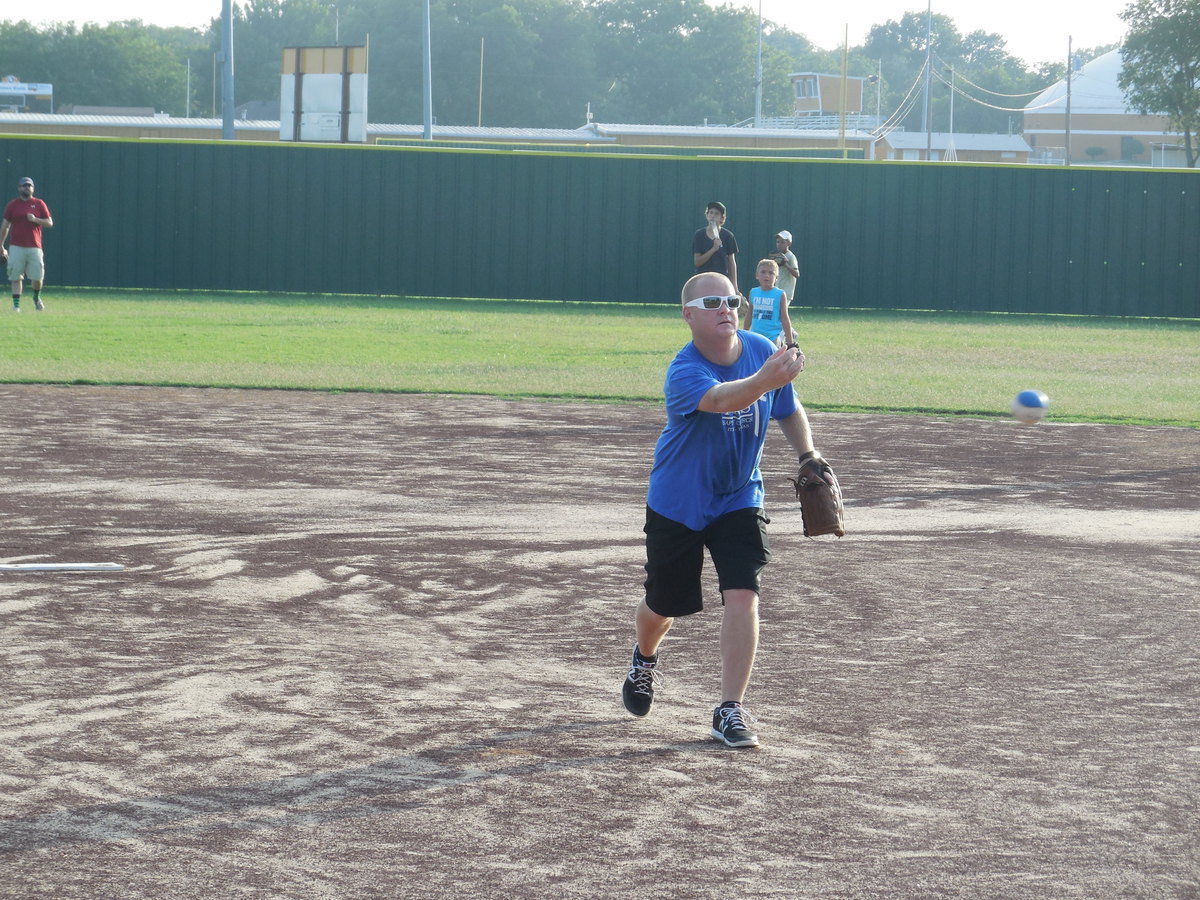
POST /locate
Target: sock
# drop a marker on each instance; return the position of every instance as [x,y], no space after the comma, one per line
[37,295]
[16,300]
[645,660]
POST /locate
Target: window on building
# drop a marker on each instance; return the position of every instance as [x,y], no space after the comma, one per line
[806,87]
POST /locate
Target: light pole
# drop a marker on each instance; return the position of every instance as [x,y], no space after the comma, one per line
[878,94]
[759,81]
[1067,126]
[337,25]
[227,70]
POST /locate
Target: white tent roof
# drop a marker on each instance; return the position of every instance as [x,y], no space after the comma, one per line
[1094,91]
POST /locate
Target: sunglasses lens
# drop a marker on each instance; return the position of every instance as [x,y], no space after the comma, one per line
[716,302]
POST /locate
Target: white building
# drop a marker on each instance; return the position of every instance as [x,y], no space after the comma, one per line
[1103,127]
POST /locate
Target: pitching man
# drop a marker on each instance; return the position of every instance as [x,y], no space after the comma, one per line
[706,491]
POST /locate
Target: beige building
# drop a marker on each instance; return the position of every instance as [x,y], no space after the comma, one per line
[941,146]
[1102,127]
[821,95]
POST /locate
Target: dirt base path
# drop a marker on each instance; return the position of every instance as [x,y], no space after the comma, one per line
[371,646]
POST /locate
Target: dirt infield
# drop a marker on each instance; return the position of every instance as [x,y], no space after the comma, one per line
[371,646]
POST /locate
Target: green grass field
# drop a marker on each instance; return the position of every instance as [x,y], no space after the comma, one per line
[1100,370]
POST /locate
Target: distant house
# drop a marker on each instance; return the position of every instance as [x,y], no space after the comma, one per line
[74,109]
[1103,127]
[768,140]
[997,148]
[821,95]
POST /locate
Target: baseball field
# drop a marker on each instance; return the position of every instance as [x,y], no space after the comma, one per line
[368,640]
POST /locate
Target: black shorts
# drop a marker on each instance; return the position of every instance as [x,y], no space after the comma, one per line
[737,543]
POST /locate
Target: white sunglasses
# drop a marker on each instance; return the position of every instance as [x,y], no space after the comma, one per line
[715,302]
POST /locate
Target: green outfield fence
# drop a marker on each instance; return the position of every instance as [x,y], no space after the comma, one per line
[443,222]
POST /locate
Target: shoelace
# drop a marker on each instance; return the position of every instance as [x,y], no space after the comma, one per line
[645,679]
[736,717]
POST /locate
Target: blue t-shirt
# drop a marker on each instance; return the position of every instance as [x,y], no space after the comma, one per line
[707,464]
[765,312]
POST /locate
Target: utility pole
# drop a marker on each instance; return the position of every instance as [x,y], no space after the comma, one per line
[479,115]
[227,70]
[427,76]
[951,104]
[842,101]
[928,114]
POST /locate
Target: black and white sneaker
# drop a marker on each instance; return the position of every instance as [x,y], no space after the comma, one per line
[638,690]
[731,723]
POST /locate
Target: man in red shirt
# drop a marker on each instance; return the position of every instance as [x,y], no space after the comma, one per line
[24,218]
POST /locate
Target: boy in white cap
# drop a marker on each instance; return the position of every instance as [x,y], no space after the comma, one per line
[789,268]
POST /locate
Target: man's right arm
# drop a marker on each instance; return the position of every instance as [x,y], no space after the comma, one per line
[780,368]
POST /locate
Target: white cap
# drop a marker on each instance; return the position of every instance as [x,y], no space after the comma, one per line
[786,235]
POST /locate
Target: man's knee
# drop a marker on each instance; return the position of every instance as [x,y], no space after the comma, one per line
[740,598]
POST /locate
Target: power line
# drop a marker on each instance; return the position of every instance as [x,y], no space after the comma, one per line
[960,75]
[910,99]
[905,106]
[984,103]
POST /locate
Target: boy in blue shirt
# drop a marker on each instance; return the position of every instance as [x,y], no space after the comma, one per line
[767,312]
[706,491]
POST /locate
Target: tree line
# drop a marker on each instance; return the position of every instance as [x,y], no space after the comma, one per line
[540,63]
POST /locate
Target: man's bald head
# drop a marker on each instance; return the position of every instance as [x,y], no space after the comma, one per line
[706,284]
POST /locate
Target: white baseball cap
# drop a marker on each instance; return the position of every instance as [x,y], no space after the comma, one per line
[786,235]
